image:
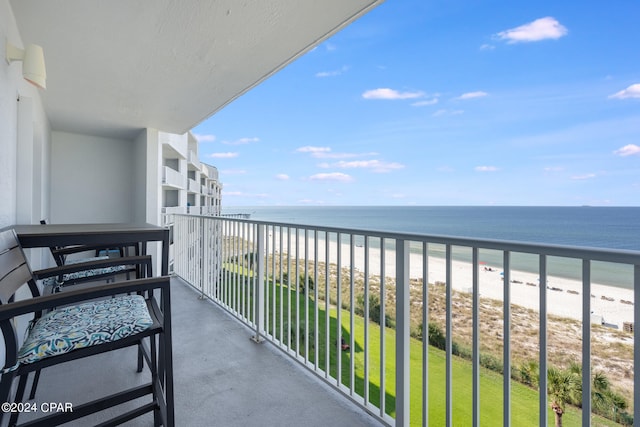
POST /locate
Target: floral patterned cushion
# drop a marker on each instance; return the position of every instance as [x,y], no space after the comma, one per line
[53,281]
[69,328]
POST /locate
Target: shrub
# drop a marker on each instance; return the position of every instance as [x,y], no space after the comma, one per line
[293,332]
[416,332]
[436,337]
[301,281]
[528,373]
[491,362]
[374,309]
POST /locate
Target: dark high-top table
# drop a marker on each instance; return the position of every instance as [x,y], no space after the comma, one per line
[50,235]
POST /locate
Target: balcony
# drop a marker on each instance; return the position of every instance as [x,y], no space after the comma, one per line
[193,159]
[347,306]
[172,178]
[193,186]
[336,311]
[174,210]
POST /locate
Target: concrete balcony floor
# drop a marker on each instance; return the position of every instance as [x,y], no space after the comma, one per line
[221,377]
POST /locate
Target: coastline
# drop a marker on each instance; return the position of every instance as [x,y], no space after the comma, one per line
[564,296]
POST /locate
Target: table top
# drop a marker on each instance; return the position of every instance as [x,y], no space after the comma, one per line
[85,228]
[37,235]
[50,235]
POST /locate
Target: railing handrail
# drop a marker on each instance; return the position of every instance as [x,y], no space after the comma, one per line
[624,256]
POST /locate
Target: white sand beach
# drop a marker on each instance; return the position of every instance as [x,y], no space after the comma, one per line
[564,296]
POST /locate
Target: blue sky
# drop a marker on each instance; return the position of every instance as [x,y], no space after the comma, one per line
[445,103]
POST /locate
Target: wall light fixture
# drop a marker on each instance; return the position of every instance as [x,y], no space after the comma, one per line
[32,57]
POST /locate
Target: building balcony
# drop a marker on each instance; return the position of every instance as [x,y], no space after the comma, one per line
[193,186]
[172,178]
[173,144]
[339,338]
[193,160]
[347,305]
[174,210]
[210,172]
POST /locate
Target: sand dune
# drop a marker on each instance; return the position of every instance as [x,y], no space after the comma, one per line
[564,296]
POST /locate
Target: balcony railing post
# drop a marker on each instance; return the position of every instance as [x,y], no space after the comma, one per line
[586,343]
[258,300]
[636,341]
[506,351]
[402,333]
[202,257]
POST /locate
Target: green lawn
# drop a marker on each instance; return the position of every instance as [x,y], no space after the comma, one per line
[524,400]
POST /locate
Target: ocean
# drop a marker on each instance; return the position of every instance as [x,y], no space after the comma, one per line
[600,227]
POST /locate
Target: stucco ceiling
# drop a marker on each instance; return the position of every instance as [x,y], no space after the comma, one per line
[114,67]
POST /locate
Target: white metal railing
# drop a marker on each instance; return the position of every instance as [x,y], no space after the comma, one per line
[343,303]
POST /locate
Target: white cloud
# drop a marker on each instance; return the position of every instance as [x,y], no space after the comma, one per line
[487,46]
[553,169]
[333,73]
[425,102]
[628,150]
[341,155]
[205,138]
[471,95]
[325,153]
[332,176]
[330,47]
[583,177]
[386,93]
[223,155]
[486,169]
[312,149]
[320,152]
[242,141]
[374,165]
[328,73]
[282,176]
[632,91]
[540,29]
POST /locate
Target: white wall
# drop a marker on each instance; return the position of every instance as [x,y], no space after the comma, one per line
[139,176]
[23,191]
[92,179]
[13,87]
[148,176]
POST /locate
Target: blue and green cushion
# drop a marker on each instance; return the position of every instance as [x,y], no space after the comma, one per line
[69,277]
[66,329]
